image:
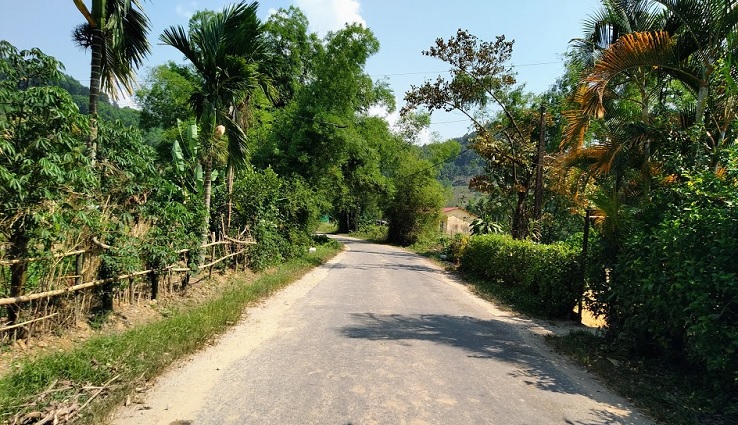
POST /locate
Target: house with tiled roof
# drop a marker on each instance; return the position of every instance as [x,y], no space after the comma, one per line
[455,220]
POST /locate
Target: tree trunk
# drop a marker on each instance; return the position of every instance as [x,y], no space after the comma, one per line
[18,274]
[229,213]
[645,117]
[18,277]
[519,226]
[538,194]
[95,74]
[207,188]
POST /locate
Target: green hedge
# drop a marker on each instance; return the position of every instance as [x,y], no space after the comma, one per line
[676,281]
[539,279]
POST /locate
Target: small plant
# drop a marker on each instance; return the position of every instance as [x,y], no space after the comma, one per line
[480,226]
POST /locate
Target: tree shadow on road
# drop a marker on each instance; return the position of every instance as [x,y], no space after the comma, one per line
[388,266]
[483,339]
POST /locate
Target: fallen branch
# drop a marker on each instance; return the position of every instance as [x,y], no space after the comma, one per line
[32,259]
[246,242]
[18,325]
[100,244]
[49,294]
[75,415]
[221,259]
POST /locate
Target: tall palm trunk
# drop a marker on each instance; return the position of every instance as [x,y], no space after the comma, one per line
[95,73]
[646,118]
[229,183]
[208,190]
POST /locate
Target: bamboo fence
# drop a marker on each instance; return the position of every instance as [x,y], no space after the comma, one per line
[57,281]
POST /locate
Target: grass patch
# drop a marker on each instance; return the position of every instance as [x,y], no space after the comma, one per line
[667,392]
[140,353]
[329,227]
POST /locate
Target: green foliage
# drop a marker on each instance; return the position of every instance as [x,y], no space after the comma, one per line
[372,232]
[165,99]
[675,284]
[540,279]
[414,211]
[455,249]
[174,227]
[279,212]
[480,226]
[45,178]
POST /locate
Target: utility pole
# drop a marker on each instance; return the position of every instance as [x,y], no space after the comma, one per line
[538,199]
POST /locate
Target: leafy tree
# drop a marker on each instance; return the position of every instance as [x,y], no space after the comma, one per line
[414,208]
[327,139]
[165,99]
[287,36]
[480,76]
[115,32]
[45,178]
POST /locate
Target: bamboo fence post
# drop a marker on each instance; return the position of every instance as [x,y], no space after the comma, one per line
[186,278]
[131,291]
[212,256]
[169,282]
[78,278]
[154,278]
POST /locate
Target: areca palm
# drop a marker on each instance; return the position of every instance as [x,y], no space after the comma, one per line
[116,33]
[694,37]
[226,51]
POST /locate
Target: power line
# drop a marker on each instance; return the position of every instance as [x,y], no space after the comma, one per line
[398,74]
[520,65]
[448,122]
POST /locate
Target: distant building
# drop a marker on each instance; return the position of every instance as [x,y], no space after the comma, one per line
[456,220]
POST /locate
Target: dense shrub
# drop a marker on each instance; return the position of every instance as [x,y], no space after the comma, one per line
[455,248]
[279,212]
[542,279]
[675,288]
[414,211]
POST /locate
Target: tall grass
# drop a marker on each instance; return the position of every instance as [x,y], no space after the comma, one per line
[143,352]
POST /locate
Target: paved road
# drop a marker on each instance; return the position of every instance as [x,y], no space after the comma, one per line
[378,336]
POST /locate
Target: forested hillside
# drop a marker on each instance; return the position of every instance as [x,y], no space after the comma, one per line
[108,110]
[457,164]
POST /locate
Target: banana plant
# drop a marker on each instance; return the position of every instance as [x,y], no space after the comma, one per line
[185,159]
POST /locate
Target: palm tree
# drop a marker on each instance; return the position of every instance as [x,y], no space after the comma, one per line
[116,34]
[694,38]
[226,51]
[614,25]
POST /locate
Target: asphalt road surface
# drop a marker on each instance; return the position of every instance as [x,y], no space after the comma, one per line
[378,336]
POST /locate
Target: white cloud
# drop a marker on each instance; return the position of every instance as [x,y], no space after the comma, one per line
[187,9]
[425,135]
[331,15]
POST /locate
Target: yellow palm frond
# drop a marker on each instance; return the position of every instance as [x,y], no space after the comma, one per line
[653,50]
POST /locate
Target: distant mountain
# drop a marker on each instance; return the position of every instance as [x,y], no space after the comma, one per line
[457,172]
[106,109]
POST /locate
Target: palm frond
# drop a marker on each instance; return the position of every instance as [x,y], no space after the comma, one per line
[126,45]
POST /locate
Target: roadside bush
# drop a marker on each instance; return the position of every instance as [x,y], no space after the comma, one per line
[540,279]
[372,232]
[455,249]
[675,289]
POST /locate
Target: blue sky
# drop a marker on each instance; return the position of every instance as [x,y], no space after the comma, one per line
[541,30]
